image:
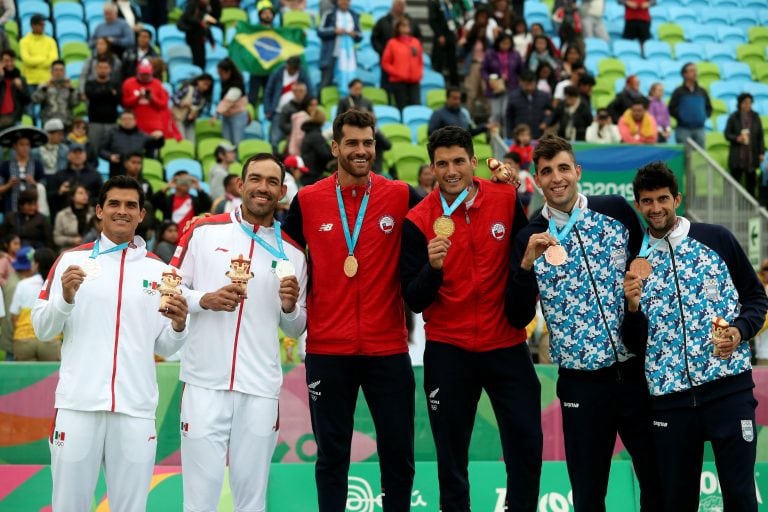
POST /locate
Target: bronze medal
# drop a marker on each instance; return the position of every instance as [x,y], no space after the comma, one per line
[350,266]
[443,226]
[556,255]
[642,267]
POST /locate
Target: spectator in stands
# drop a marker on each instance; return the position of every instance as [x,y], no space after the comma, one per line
[225,155]
[20,173]
[744,131]
[500,70]
[278,92]
[452,113]
[572,116]
[52,154]
[103,95]
[147,97]
[658,109]
[230,197]
[34,267]
[166,238]
[526,187]
[573,56]
[296,137]
[577,71]
[299,103]
[691,107]
[592,12]
[132,165]
[521,145]
[626,98]
[586,83]
[143,50]
[195,22]
[527,105]
[339,30]
[14,91]
[71,223]
[522,38]
[103,48]
[38,53]
[78,133]
[444,23]
[315,150]
[32,227]
[637,126]
[7,13]
[190,99]
[155,13]
[403,63]
[11,243]
[266,12]
[426,180]
[479,34]
[293,5]
[383,144]
[126,139]
[117,31]
[546,78]
[57,97]
[177,204]
[384,30]
[354,99]
[126,10]
[294,169]
[503,14]
[77,172]
[637,20]
[540,52]
[233,105]
[602,130]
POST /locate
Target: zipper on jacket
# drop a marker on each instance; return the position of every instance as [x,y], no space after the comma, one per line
[472,251]
[597,297]
[682,319]
[237,332]
[117,325]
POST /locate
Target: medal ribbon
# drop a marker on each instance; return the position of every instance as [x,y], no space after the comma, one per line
[278,253]
[352,239]
[448,210]
[95,252]
[646,248]
[560,235]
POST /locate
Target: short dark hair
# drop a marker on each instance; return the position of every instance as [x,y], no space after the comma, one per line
[9,52]
[132,154]
[354,82]
[450,89]
[549,147]
[104,58]
[448,136]
[27,196]
[45,258]
[639,100]
[500,39]
[260,157]
[682,69]
[520,129]
[576,66]
[128,111]
[58,61]
[527,76]
[744,96]
[352,117]
[514,157]
[654,176]
[228,179]
[122,182]
[571,91]
[587,79]
[145,31]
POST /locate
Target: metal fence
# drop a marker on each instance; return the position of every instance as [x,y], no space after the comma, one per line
[713,196]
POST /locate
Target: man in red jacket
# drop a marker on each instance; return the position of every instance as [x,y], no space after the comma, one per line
[147,97]
[454,266]
[356,335]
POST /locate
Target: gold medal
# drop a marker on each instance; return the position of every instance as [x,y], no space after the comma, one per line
[350,266]
[443,226]
[642,267]
[556,255]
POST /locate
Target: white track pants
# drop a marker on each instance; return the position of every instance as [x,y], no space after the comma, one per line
[81,441]
[212,421]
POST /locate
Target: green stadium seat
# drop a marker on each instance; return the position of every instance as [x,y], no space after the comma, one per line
[12,30]
[297,19]
[157,185]
[719,107]
[672,33]
[377,95]
[483,152]
[422,135]
[329,96]
[75,50]
[750,53]
[153,169]
[707,72]
[436,98]
[205,130]
[248,148]
[397,133]
[366,21]
[231,15]
[173,149]
[407,158]
[758,35]
[207,147]
[759,71]
[611,69]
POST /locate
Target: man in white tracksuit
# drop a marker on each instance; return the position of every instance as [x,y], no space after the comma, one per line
[231,363]
[102,296]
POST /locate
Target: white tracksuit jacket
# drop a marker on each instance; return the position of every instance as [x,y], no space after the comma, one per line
[111,332]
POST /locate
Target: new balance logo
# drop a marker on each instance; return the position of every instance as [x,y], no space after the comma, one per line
[662,424]
[326,227]
[313,393]
[314,384]
[571,405]
[433,403]
[152,438]
[433,392]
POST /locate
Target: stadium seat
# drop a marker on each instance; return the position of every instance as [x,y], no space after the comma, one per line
[170,34]
[248,148]
[180,72]
[695,3]
[73,69]
[377,95]
[719,106]
[750,53]
[397,133]
[611,69]
[597,47]
[689,52]
[591,63]
[714,16]
[646,70]
[28,8]
[537,12]
[615,28]
[758,35]
[407,158]
[657,50]
[193,167]
[94,12]
[254,130]
[759,71]
[173,149]
[205,130]
[729,90]
[298,19]
[435,98]
[613,12]
[701,34]
[743,18]
[416,114]
[719,52]
[660,13]
[735,71]
[26,28]
[720,122]
[682,14]
[671,33]
[624,48]
[75,50]
[754,4]
[68,10]
[312,56]
[152,168]
[726,3]
[386,114]
[367,22]
[707,72]
[176,54]
[731,35]
[370,77]
[759,91]
[422,134]
[329,95]
[231,15]
[367,59]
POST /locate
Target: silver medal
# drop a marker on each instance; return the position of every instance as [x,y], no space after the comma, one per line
[284,268]
[91,268]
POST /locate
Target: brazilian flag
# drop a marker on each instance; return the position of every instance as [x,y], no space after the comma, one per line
[259,50]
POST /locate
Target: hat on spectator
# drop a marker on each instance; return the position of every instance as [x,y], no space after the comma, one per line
[144,67]
[225,146]
[76,146]
[265,4]
[295,162]
[23,260]
[53,125]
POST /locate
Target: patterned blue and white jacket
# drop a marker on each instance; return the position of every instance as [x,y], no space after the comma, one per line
[583,299]
[699,273]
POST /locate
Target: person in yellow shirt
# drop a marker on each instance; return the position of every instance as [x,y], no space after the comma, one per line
[38,51]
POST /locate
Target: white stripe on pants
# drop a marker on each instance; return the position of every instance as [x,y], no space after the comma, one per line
[213,420]
[124,444]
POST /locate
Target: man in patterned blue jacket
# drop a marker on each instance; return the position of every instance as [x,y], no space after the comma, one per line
[691,274]
[574,254]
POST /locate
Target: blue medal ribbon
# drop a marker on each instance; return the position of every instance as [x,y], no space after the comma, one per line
[646,248]
[278,253]
[560,235]
[352,239]
[95,252]
[448,210]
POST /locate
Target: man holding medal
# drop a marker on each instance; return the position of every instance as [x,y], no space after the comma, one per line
[574,255]
[351,224]
[244,279]
[454,268]
[107,392]
[693,301]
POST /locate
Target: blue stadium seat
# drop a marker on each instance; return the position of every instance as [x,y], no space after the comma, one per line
[689,51]
[620,83]
[432,80]
[103,169]
[615,28]
[370,77]
[180,72]
[386,114]
[537,12]
[215,55]
[626,48]
[731,35]
[193,167]
[367,59]
[761,107]
[597,47]
[170,34]
[613,12]
[701,34]
[729,90]
[743,18]
[719,52]
[714,16]
[71,30]
[312,55]
[94,11]
[27,8]
[646,70]
[670,69]
[177,54]
[73,69]
[754,4]
[591,63]
[380,11]
[660,13]
[218,35]
[670,84]
[254,130]
[729,3]
[416,114]
[759,91]
[656,50]
[698,4]
[735,71]
[680,15]
[68,10]
[721,120]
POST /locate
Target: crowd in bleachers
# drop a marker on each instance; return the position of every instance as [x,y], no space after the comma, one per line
[111,88]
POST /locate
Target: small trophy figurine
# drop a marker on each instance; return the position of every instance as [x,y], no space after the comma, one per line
[502,171]
[240,272]
[719,330]
[169,286]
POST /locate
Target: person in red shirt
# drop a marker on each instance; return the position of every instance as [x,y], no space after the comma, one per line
[178,204]
[147,97]
[403,61]
[521,145]
[637,20]
[454,266]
